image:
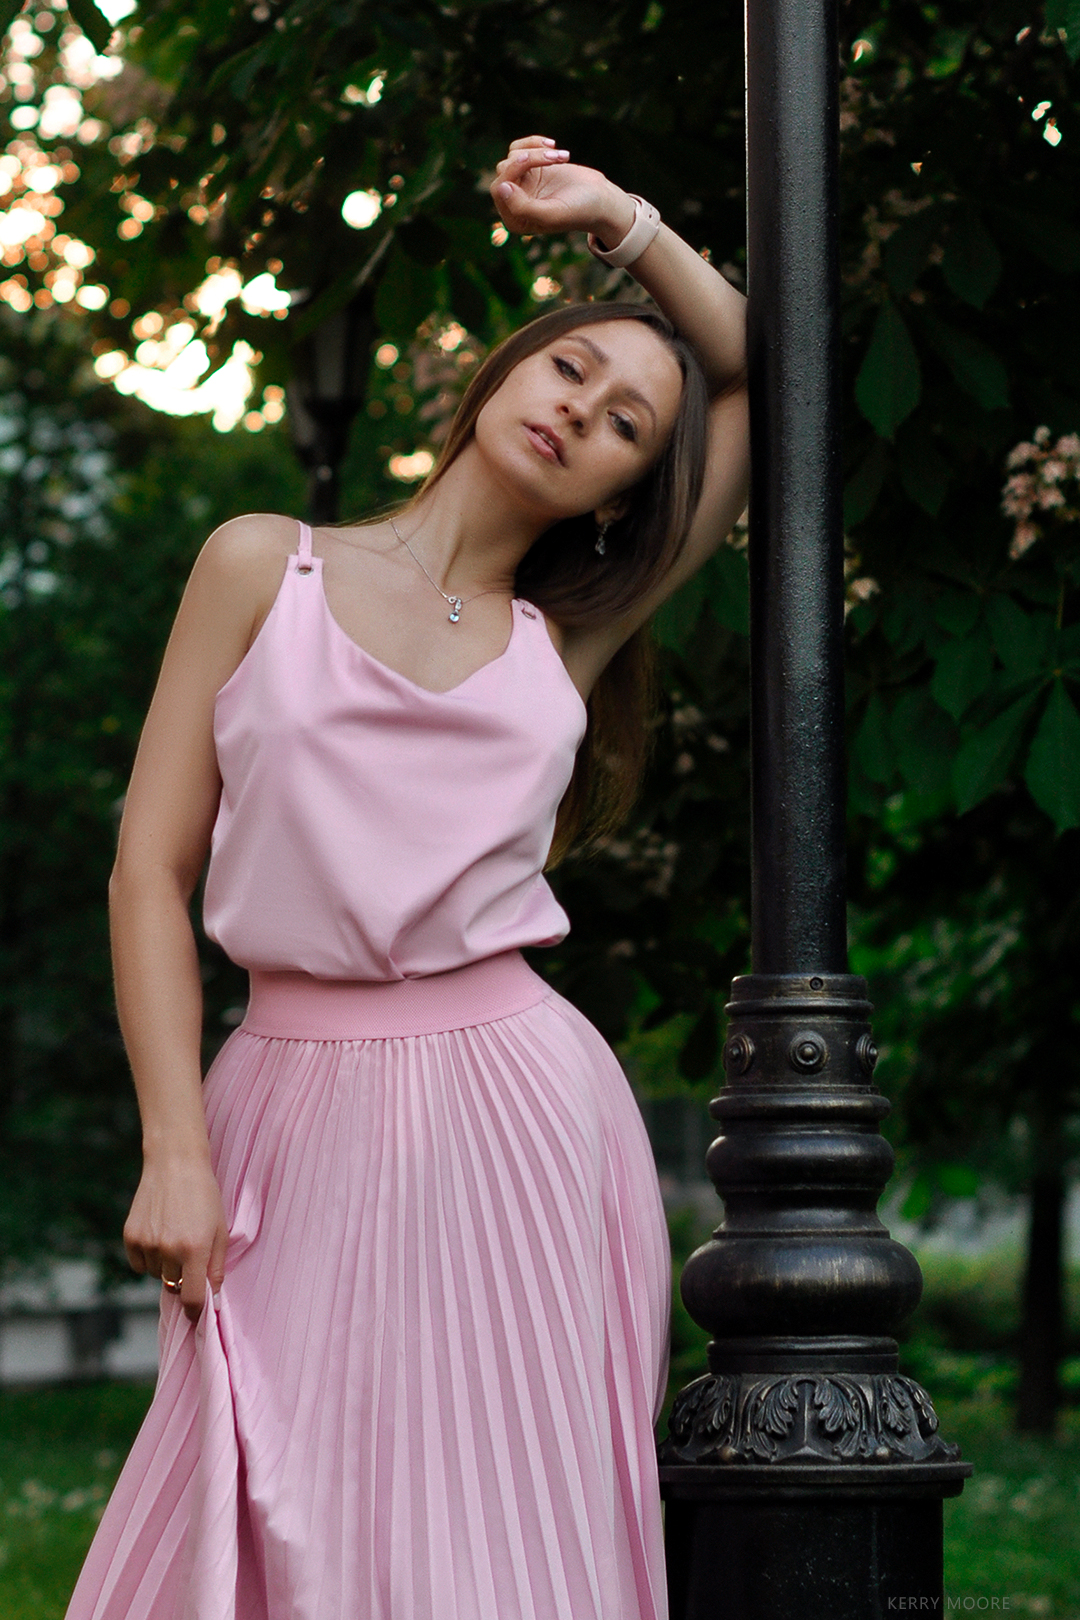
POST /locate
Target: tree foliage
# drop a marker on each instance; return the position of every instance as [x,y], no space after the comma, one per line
[233,137]
[103,507]
[246,127]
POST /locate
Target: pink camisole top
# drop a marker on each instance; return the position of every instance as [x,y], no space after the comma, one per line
[372,829]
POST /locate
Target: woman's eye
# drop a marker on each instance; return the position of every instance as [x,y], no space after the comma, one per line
[625,428]
[567,368]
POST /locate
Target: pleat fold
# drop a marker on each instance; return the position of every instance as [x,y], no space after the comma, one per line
[427,1389]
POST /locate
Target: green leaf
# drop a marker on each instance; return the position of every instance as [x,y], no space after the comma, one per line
[870,747]
[726,579]
[340,291]
[864,486]
[1065,14]
[1048,236]
[1053,767]
[957,1180]
[94,25]
[985,755]
[924,741]
[906,620]
[701,1048]
[976,368]
[1024,641]
[863,616]
[889,384]
[424,240]
[924,474]
[908,249]
[467,301]
[972,263]
[239,69]
[677,618]
[406,296]
[947,50]
[919,1198]
[957,611]
[962,672]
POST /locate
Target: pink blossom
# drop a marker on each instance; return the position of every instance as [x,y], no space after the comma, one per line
[1047,466]
[1024,538]
[1019,495]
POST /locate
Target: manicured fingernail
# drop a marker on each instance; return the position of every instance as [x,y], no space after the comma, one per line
[505,190]
[560,154]
[547,140]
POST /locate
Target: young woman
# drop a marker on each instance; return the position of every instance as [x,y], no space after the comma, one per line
[414,1261]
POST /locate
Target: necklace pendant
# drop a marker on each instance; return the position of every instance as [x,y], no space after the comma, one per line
[455,608]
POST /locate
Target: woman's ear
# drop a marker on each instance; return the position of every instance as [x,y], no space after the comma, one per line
[611,511]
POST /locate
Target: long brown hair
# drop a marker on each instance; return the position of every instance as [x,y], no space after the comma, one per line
[564,577]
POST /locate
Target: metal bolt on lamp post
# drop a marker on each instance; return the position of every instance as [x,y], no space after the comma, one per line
[803,1476]
[330,373]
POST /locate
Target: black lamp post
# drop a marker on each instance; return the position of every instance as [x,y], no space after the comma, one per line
[803,1476]
[330,373]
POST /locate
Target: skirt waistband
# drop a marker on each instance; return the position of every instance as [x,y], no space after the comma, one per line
[298,1007]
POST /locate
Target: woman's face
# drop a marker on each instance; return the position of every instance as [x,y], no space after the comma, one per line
[583,419]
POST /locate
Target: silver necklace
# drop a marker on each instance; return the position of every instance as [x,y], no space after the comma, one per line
[455,602]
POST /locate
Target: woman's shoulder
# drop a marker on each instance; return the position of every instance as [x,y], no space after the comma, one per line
[249,545]
[237,575]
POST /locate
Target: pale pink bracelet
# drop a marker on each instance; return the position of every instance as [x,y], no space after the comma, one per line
[637,239]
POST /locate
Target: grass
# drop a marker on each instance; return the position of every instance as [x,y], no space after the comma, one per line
[60,1451]
[1011,1535]
[1013,1532]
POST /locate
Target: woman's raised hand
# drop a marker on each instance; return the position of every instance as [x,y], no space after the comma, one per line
[538,192]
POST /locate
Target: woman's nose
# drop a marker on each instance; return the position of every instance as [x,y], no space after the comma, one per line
[574,412]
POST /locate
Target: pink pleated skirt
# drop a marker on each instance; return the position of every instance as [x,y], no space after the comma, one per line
[427,1387]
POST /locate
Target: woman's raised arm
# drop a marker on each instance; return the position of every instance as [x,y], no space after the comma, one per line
[537,190]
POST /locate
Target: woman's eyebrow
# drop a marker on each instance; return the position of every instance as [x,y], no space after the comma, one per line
[603,358]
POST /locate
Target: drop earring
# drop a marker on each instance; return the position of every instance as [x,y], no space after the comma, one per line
[601,537]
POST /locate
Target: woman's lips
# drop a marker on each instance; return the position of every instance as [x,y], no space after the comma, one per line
[544,442]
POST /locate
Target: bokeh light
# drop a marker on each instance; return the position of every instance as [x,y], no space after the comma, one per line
[361,209]
[411,468]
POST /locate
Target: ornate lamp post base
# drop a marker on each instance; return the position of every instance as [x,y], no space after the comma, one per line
[797,1489]
[813,1407]
[827,1548]
[803,1475]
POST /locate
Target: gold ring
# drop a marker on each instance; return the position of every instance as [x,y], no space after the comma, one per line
[173,1285]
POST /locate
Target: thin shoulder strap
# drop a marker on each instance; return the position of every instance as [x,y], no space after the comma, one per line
[304,558]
